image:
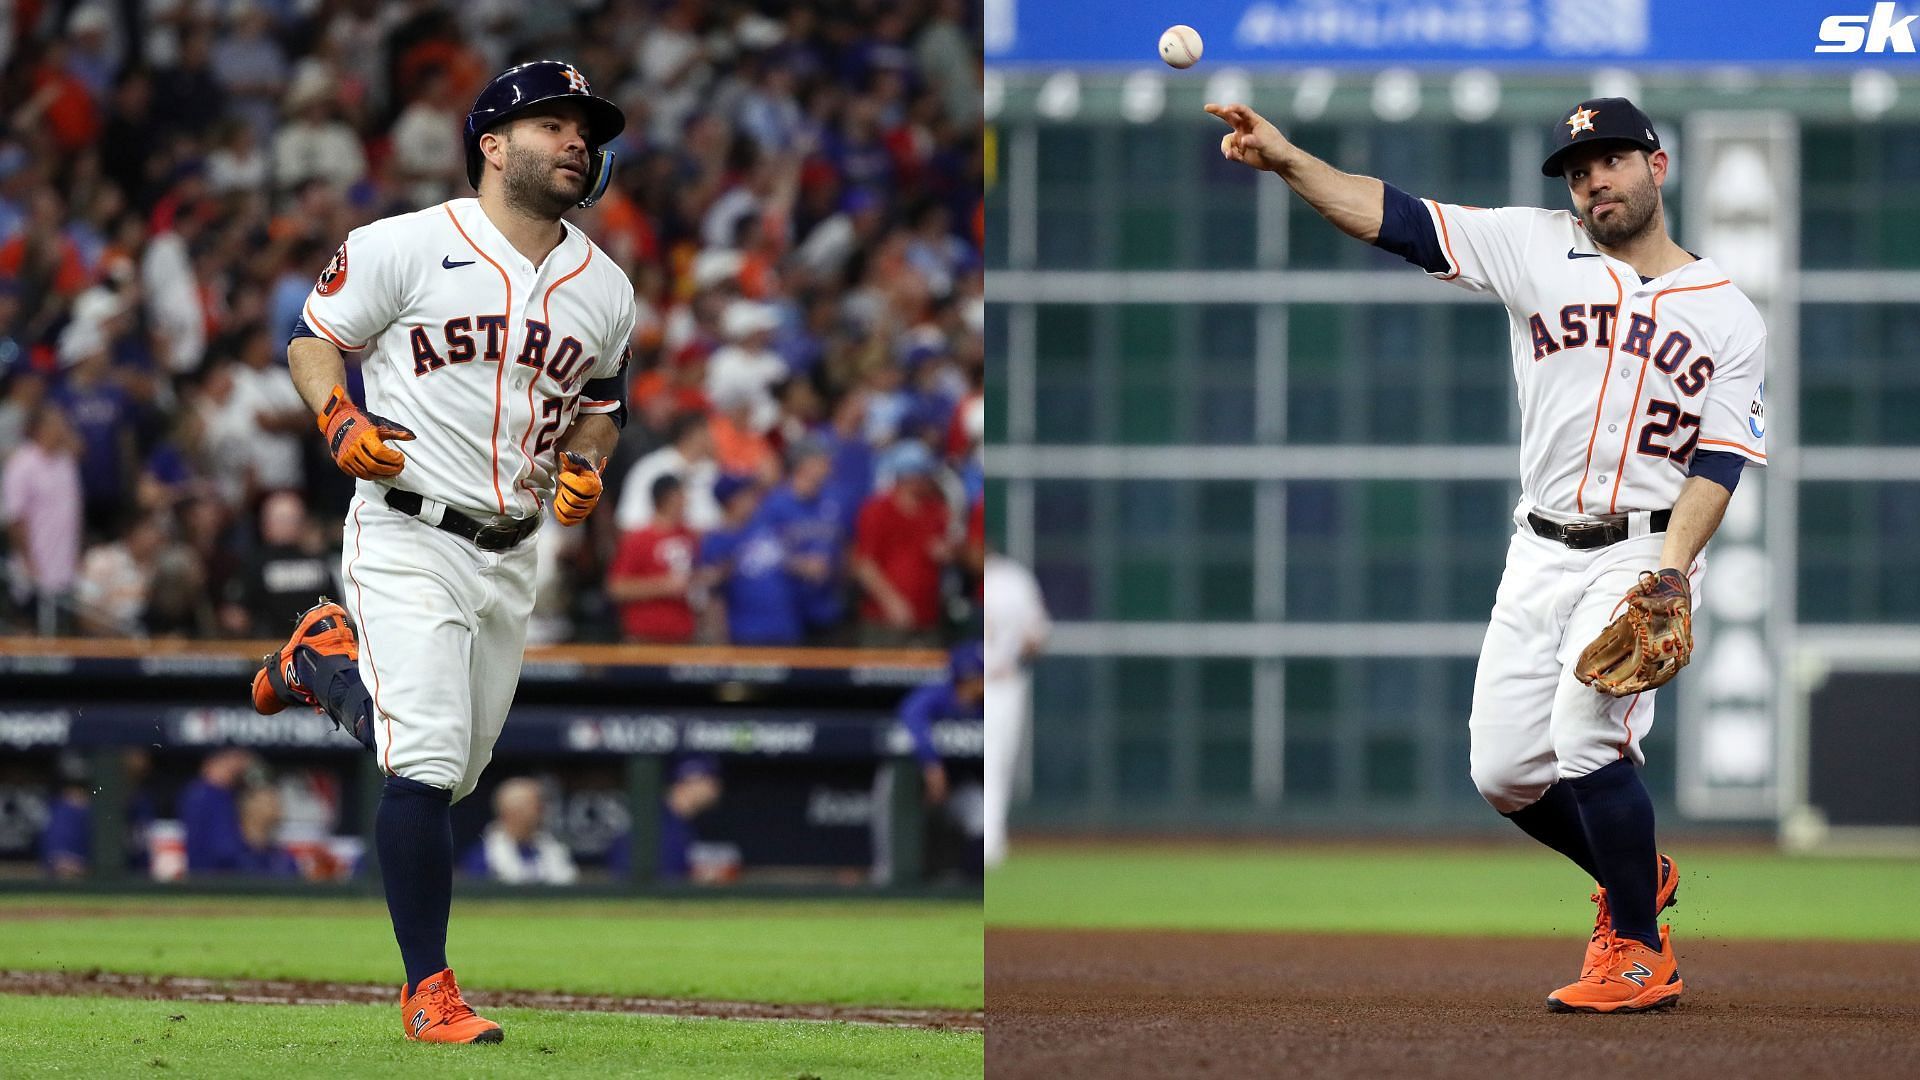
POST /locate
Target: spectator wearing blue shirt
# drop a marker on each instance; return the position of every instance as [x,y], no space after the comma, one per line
[260,853]
[811,524]
[961,696]
[66,843]
[744,568]
[693,788]
[210,812]
[850,480]
[231,830]
[102,416]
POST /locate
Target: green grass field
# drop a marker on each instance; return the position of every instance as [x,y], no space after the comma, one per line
[875,953]
[919,955]
[97,1037]
[1498,890]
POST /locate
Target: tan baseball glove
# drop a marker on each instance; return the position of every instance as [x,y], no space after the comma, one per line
[1648,644]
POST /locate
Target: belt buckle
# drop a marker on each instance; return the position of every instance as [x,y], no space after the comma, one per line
[1581,530]
[496,537]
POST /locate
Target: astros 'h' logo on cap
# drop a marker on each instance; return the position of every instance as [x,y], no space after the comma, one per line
[577,82]
[1582,120]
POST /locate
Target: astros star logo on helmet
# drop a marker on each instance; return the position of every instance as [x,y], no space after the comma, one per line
[577,82]
[1582,120]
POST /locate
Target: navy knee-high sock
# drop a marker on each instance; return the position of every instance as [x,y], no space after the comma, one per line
[335,680]
[1618,814]
[413,833]
[1554,820]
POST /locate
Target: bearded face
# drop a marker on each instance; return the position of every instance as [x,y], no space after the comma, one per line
[1615,195]
[545,170]
[543,181]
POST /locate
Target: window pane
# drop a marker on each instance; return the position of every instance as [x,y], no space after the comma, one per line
[1859,384]
[1395,550]
[1858,562]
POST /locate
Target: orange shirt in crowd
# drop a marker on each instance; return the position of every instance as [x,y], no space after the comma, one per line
[741,451]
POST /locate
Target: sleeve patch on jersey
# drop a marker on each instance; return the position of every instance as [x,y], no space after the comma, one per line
[1757,413]
[334,277]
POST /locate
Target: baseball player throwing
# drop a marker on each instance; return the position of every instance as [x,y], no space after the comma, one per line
[1639,371]
[493,336]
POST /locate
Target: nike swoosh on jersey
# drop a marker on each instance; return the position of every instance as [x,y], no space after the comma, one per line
[447,263]
[1572,254]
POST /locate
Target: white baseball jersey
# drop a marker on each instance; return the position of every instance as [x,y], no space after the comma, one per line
[1016,623]
[1014,614]
[482,354]
[487,358]
[1620,381]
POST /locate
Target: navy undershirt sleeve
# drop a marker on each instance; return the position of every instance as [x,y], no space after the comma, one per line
[1406,230]
[300,330]
[1719,466]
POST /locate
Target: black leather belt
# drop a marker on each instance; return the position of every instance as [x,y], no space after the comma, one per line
[1597,533]
[486,537]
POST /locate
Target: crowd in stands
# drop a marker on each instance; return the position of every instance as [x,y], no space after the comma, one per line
[798,205]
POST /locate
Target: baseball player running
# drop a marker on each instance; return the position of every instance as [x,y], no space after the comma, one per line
[1639,370]
[493,338]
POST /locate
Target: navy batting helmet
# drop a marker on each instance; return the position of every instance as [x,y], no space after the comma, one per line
[520,88]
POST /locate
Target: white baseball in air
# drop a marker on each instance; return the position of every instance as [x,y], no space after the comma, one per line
[1180,46]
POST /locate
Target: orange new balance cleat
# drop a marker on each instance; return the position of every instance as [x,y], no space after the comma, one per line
[436,1013]
[323,628]
[1667,896]
[1629,978]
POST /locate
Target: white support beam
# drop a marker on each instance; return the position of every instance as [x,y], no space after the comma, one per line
[1265,639]
[1866,463]
[1351,286]
[1219,287]
[1254,462]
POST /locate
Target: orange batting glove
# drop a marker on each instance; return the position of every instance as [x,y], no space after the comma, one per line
[579,488]
[357,439]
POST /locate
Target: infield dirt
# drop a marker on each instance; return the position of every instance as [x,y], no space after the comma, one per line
[1122,1004]
[308,992]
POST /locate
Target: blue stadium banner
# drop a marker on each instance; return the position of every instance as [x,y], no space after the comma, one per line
[1521,33]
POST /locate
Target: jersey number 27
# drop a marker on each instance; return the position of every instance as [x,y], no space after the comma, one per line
[1667,419]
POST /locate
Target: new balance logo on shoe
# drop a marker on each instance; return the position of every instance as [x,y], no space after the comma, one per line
[419,1021]
[1638,974]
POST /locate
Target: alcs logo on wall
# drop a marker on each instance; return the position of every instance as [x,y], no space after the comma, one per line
[1879,32]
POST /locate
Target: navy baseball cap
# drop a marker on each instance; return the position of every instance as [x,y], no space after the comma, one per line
[1613,119]
[731,484]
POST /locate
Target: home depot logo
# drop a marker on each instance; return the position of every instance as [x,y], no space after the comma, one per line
[1876,33]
